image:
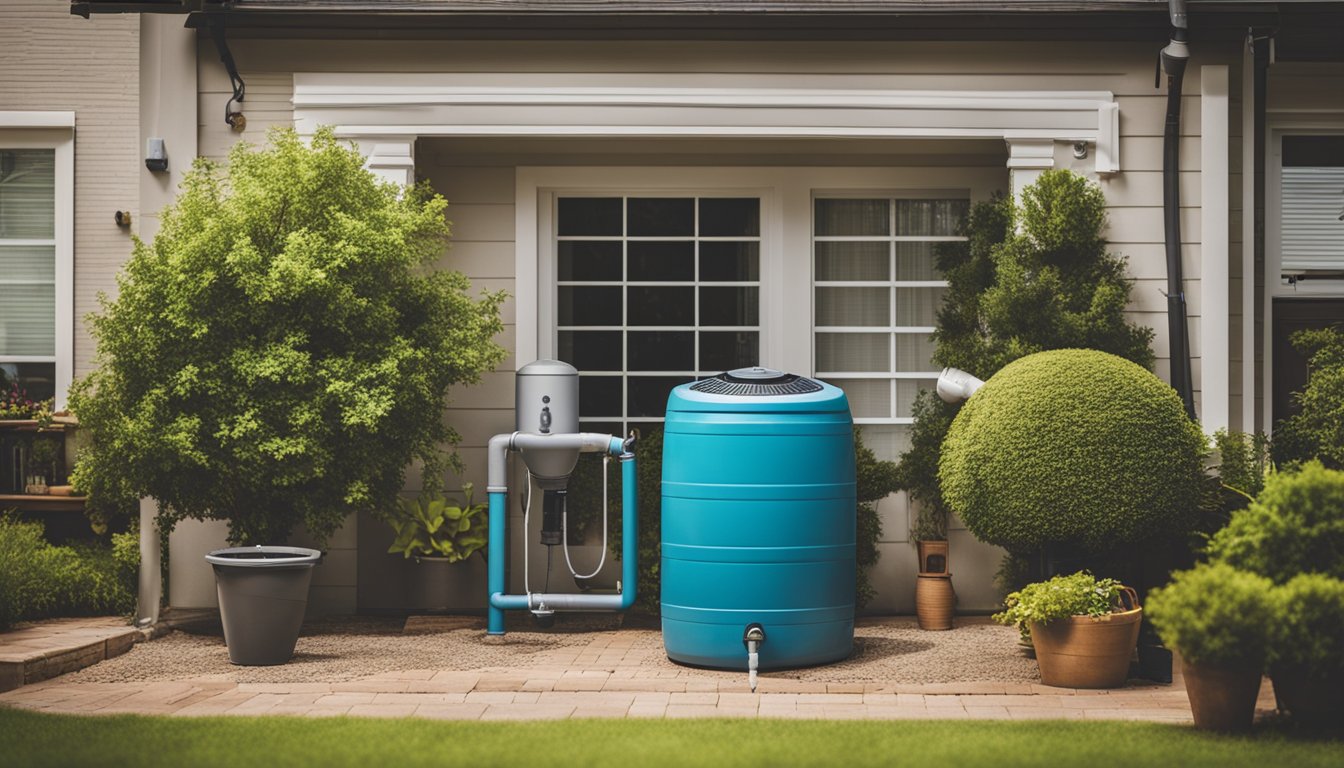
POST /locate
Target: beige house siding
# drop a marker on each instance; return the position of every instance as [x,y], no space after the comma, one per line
[50,60]
[477,175]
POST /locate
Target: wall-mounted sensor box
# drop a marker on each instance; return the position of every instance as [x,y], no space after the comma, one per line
[156,159]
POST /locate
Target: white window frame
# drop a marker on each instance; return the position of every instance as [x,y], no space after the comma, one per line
[786,297]
[1274,285]
[625,327]
[55,131]
[891,329]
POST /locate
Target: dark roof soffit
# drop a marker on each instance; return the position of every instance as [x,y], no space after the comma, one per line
[648,8]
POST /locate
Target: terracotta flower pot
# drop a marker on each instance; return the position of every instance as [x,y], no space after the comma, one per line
[934,599]
[1222,696]
[933,556]
[1086,651]
[1312,699]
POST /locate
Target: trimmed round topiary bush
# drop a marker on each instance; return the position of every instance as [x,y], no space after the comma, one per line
[1072,447]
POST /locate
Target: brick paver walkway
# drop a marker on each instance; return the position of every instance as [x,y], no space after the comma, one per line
[606,679]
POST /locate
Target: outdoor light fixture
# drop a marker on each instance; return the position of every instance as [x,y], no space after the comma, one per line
[955,385]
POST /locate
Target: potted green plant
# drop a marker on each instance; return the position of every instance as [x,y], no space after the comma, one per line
[436,533]
[279,355]
[1306,649]
[1217,618]
[1084,629]
[1295,527]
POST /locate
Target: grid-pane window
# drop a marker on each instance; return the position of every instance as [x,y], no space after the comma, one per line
[28,270]
[653,292]
[876,298]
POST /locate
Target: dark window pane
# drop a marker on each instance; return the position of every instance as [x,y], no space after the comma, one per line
[36,380]
[850,260]
[648,394]
[661,262]
[729,306]
[594,260]
[730,217]
[600,396]
[836,217]
[591,350]
[661,216]
[730,262]
[1313,151]
[590,305]
[650,305]
[660,351]
[935,218]
[727,350]
[589,216]
[915,261]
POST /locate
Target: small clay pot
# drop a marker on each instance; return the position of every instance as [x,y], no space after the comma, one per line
[1222,696]
[934,600]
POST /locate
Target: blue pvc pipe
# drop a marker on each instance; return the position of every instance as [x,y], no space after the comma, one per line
[629,525]
[495,617]
[500,602]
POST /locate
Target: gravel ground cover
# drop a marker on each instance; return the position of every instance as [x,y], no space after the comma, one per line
[341,650]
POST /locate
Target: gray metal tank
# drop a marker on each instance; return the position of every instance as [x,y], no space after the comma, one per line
[547,403]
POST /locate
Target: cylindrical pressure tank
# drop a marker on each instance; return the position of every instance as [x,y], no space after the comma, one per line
[547,403]
[758,520]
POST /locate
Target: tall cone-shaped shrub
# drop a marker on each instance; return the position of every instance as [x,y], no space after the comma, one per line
[1030,277]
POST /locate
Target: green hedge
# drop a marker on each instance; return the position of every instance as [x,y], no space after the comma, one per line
[1308,632]
[40,580]
[1215,614]
[1295,525]
[1073,447]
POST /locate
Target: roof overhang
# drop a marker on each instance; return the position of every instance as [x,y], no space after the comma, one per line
[1306,29]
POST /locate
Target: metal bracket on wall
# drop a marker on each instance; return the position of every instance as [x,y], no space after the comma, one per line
[233,117]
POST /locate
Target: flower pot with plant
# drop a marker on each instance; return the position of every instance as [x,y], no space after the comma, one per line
[276,357]
[1217,618]
[437,533]
[1293,534]
[1306,649]
[1084,629]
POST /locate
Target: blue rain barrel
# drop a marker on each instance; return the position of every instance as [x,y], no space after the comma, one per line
[758,520]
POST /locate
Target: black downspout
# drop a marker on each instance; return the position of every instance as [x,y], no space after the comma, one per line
[1173,61]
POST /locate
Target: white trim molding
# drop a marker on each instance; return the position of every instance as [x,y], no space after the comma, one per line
[1214,283]
[61,119]
[55,131]
[386,105]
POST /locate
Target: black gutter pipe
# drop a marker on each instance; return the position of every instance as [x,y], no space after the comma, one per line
[1173,60]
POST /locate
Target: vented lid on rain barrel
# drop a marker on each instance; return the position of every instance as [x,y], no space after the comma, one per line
[757,389]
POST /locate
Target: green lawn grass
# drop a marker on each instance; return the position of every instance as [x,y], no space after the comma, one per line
[28,738]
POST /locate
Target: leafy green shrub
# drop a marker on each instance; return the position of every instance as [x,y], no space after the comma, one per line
[21,592]
[1073,447]
[283,350]
[38,579]
[1308,627]
[430,526]
[1214,614]
[874,480]
[1061,597]
[1317,430]
[1029,278]
[1295,525]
